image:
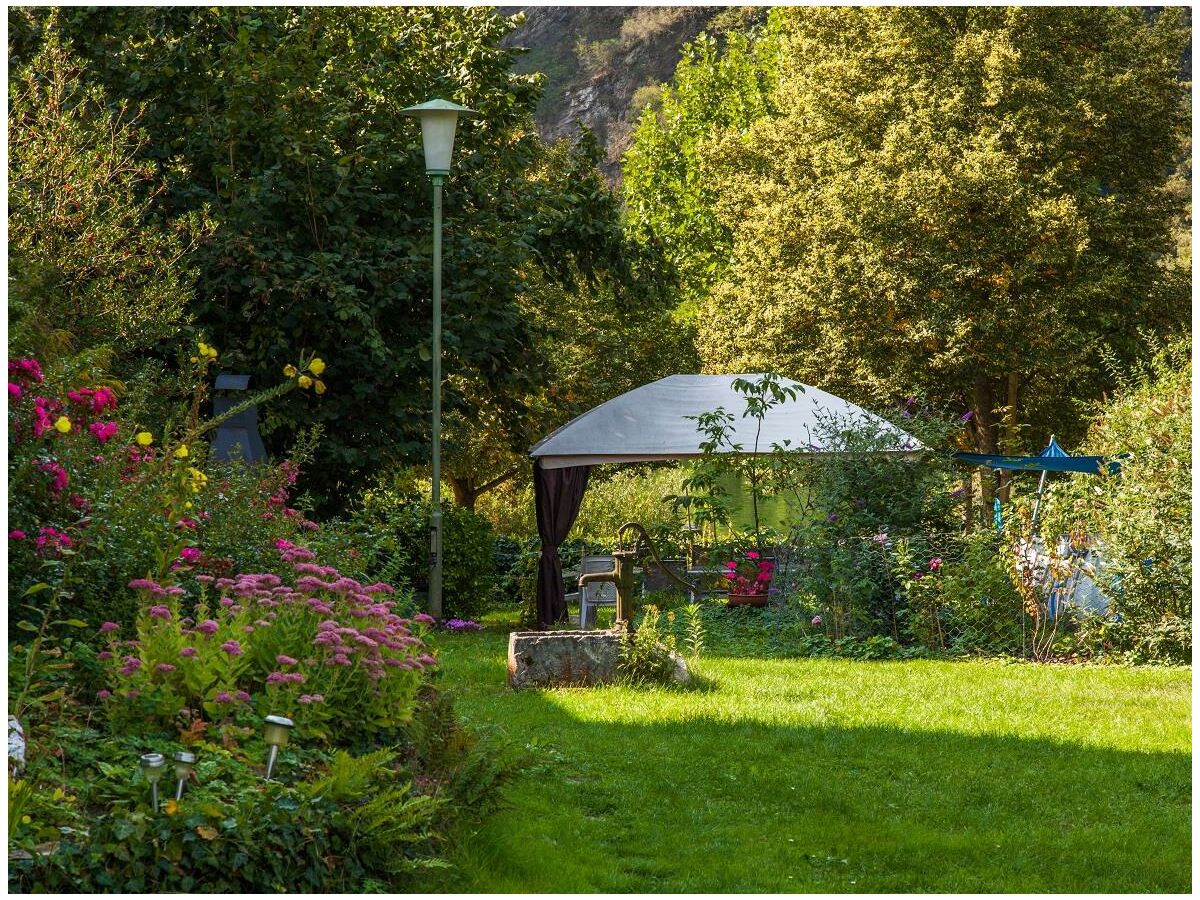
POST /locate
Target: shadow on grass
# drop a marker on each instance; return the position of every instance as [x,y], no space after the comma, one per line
[614,801]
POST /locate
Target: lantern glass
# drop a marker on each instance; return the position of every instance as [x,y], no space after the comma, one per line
[277,730]
[152,766]
[184,763]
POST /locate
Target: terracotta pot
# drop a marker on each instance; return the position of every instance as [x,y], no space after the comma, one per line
[747,599]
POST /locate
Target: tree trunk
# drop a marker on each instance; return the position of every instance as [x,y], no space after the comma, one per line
[984,434]
[1010,433]
[465,494]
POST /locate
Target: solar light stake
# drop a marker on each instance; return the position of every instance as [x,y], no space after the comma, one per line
[153,765]
[184,763]
[278,729]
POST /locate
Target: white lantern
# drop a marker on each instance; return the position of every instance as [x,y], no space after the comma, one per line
[439,120]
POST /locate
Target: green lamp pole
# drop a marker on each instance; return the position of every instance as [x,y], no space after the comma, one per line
[439,119]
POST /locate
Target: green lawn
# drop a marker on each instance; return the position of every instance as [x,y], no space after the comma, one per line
[831,775]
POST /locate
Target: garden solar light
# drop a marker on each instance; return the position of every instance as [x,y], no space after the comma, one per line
[439,120]
[277,731]
[153,765]
[184,764]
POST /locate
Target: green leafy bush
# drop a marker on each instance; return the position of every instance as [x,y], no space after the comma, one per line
[649,653]
[396,528]
[1141,517]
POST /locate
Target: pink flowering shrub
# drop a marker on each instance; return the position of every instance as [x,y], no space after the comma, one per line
[324,649]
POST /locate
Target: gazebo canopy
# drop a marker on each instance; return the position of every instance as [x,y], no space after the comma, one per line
[650,423]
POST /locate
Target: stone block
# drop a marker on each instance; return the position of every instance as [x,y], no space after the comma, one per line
[565,658]
[559,658]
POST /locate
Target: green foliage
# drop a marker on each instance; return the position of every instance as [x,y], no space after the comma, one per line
[694,638]
[287,125]
[1140,517]
[395,526]
[231,832]
[86,254]
[648,654]
[968,203]
[718,85]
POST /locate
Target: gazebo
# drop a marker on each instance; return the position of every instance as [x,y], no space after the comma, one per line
[651,424]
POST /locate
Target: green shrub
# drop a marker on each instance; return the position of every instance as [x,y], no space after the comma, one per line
[396,526]
[649,654]
[1141,517]
[344,826]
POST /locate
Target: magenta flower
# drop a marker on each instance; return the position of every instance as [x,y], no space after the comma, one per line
[424,618]
[935,564]
[103,431]
[16,535]
[188,652]
[208,626]
[816,622]
[222,697]
[242,697]
[190,555]
[285,660]
[165,667]
[917,576]
[160,612]
[233,648]
[14,391]
[108,627]
[104,654]
[103,695]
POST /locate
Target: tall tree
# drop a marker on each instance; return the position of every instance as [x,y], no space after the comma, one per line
[968,202]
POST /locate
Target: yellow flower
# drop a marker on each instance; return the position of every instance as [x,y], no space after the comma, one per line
[182,452]
[171,807]
[305,381]
[62,425]
[290,371]
[144,438]
[320,386]
[197,475]
[206,350]
[316,366]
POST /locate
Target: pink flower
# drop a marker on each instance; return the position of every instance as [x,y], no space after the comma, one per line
[103,695]
[104,654]
[103,431]
[208,626]
[14,391]
[233,648]
[285,660]
[165,667]
[311,698]
[109,626]
[751,554]
[935,564]
[160,612]
[222,697]
[242,697]
[281,544]
[24,370]
[424,618]
[188,652]
[133,694]
[16,535]
[190,555]
[917,576]
[816,621]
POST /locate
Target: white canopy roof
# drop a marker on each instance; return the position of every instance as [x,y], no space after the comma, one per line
[649,423]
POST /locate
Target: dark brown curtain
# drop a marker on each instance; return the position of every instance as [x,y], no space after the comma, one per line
[557,494]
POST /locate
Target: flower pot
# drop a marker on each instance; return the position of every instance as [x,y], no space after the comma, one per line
[747,599]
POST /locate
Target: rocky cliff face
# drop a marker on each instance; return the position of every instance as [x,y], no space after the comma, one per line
[603,65]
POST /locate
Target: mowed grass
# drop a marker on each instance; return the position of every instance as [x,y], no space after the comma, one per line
[833,775]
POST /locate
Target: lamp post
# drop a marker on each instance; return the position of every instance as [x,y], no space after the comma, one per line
[439,119]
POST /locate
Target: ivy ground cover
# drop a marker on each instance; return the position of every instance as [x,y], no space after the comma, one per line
[838,776]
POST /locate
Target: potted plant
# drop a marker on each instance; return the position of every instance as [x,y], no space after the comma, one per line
[749,576]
